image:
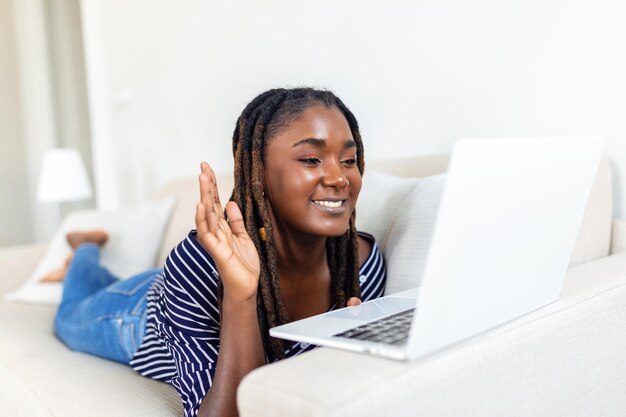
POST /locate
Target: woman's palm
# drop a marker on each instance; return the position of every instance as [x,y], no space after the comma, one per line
[227,242]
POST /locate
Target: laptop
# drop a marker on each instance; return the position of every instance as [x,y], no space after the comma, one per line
[507,223]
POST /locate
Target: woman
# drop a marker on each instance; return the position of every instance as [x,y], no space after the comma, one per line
[284,248]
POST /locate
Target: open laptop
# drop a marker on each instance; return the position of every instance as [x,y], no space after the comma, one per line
[507,223]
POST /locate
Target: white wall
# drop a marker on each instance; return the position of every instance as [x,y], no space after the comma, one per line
[43,105]
[35,112]
[167,78]
[15,227]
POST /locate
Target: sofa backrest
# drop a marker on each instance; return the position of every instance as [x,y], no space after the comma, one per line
[593,239]
[186,191]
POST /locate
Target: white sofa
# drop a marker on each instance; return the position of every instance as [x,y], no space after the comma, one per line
[566,359]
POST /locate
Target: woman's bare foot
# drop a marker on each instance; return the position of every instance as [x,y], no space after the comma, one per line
[98,237]
[59,274]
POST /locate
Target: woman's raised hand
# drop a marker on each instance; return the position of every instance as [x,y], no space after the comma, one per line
[227,242]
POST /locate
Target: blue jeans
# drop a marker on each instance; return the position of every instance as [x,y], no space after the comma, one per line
[99,313]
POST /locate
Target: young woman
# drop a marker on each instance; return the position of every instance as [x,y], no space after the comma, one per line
[284,248]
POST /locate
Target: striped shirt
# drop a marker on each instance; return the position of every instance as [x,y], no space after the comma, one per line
[181,344]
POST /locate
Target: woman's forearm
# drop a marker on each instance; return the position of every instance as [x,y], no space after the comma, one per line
[241,351]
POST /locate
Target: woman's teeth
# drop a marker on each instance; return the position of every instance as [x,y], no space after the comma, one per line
[329,203]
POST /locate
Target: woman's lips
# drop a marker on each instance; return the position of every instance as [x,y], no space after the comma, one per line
[331,206]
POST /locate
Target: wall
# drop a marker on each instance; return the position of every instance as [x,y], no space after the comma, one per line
[68,81]
[68,73]
[43,105]
[16,228]
[167,79]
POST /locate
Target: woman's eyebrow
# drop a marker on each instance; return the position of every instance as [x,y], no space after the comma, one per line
[350,143]
[310,141]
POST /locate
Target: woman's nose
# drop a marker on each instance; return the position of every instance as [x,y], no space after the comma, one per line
[335,179]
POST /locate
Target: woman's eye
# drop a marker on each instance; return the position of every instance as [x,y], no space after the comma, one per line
[311,161]
[349,162]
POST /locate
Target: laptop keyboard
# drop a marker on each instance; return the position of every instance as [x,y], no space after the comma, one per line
[393,330]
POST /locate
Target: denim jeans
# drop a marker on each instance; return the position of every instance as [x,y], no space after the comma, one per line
[99,313]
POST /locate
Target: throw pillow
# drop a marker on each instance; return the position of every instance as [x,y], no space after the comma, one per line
[408,239]
[378,203]
[135,236]
[401,214]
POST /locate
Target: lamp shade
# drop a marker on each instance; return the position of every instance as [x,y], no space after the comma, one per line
[63,177]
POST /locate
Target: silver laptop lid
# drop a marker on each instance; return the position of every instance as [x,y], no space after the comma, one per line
[507,223]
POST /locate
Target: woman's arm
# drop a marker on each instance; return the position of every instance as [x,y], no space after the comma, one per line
[241,347]
[241,351]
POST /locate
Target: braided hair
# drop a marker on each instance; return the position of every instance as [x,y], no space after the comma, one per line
[263,118]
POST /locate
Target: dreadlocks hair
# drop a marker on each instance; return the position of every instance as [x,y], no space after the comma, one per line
[266,116]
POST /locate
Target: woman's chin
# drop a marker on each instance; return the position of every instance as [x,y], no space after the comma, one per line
[335,231]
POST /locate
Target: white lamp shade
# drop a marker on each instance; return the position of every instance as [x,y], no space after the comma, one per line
[63,177]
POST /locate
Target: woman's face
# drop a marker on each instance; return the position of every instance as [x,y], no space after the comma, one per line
[311,177]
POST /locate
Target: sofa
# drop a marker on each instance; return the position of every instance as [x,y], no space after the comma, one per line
[565,359]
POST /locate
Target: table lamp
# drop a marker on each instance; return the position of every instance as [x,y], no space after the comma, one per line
[63,177]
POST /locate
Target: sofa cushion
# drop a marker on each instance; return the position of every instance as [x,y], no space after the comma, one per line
[42,377]
[187,194]
[135,236]
[380,198]
[565,359]
[401,214]
[594,235]
[18,262]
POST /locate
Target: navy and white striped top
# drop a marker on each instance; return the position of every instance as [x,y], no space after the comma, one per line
[181,344]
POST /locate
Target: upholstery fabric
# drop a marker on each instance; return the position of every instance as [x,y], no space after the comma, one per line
[135,235]
[187,194]
[401,213]
[411,167]
[565,359]
[379,201]
[38,372]
[618,236]
[17,263]
[561,360]
[594,235]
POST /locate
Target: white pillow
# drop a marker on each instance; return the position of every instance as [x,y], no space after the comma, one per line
[378,203]
[401,214]
[408,239]
[135,236]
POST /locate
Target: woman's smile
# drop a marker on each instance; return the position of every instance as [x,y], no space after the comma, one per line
[331,206]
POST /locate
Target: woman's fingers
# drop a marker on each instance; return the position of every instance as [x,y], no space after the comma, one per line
[235,220]
[211,193]
[211,217]
[205,191]
[216,196]
[201,224]
[353,301]
[208,239]
[208,198]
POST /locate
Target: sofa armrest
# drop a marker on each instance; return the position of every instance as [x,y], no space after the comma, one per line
[618,236]
[17,263]
[563,359]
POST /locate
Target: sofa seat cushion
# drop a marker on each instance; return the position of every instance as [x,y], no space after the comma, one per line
[42,377]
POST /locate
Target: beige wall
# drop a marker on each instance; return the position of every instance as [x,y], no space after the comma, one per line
[14,196]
